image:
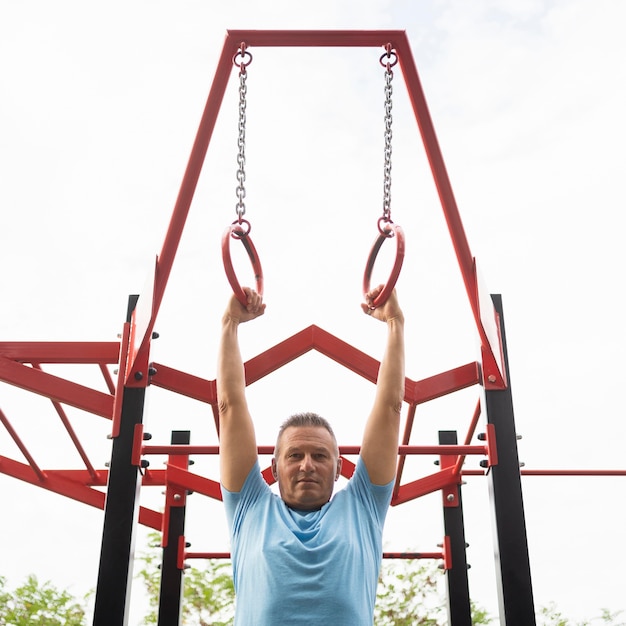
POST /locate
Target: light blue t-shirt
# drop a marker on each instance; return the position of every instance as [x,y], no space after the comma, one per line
[319,567]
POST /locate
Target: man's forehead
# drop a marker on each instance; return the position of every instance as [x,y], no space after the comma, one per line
[295,436]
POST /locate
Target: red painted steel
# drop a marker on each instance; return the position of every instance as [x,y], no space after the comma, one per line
[56,388]
[386,555]
[390,231]
[23,449]
[426,485]
[179,449]
[184,384]
[492,364]
[72,433]
[100,352]
[468,437]
[132,352]
[406,437]
[235,231]
[121,377]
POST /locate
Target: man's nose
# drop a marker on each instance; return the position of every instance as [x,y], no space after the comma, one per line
[306,465]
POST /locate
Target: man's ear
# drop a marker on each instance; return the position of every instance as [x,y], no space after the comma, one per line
[274,469]
[339,464]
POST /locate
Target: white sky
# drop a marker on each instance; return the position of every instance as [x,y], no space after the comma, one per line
[99,108]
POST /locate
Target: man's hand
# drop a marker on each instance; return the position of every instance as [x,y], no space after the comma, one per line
[236,312]
[388,311]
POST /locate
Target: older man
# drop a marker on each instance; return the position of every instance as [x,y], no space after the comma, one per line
[306,556]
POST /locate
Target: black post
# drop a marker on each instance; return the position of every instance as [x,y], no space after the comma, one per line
[171,591]
[121,513]
[459,607]
[515,591]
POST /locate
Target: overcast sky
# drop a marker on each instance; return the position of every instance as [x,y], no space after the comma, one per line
[100,105]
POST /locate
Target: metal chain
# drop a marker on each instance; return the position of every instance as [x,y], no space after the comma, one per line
[241,142]
[388,135]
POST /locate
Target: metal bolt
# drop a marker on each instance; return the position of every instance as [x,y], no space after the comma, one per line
[145,463]
[147,436]
[491,378]
[436,462]
[484,463]
[522,464]
[152,371]
[138,375]
[482,436]
[116,371]
[450,497]
[177,496]
[155,335]
[518,437]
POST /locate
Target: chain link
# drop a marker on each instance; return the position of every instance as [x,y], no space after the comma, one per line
[388,135]
[241,143]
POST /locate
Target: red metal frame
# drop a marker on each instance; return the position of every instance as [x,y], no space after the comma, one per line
[20,362]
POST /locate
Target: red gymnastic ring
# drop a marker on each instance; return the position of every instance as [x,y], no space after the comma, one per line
[388,231]
[241,230]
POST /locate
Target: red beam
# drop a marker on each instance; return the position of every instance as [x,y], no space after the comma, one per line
[184,384]
[434,449]
[442,384]
[56,388]
[20,444]
[100,352]
[429,484]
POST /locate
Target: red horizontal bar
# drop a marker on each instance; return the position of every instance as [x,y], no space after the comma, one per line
[557,472]
[573,472]
[100,352]
[56,388]
[436,449]
[386,555]
[315,38]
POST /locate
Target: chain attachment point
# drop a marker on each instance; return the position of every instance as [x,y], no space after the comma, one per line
[242,58]
[389,58]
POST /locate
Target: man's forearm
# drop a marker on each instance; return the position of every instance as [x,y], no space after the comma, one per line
[390,386]
[230,370]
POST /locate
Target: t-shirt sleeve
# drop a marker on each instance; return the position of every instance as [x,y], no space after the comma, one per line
[236,503]
[376,497]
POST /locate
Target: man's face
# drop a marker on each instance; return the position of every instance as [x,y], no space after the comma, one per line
[306,467]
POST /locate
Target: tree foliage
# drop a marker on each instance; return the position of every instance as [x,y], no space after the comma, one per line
[409,594]
[39,603]
[208,593]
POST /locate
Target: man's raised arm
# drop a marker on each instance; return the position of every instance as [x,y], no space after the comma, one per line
[238,451]
[379,450]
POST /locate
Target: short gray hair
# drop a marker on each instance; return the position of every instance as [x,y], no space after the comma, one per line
[305,419]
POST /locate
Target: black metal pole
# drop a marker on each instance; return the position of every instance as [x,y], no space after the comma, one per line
[171,590]
[121,513]
[459,607]
[515,593]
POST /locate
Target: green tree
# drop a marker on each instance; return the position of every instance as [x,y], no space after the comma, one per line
[408,595]
[208,593]
[38,604]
